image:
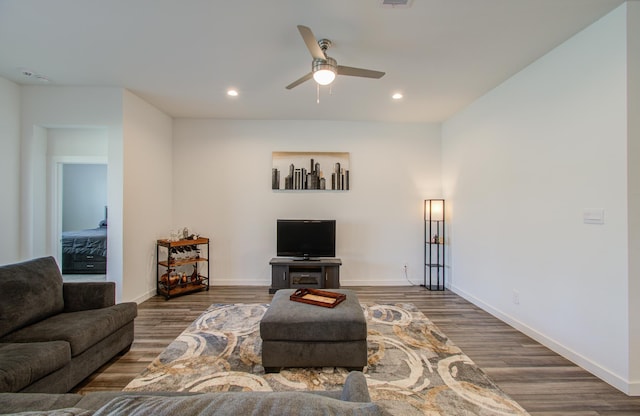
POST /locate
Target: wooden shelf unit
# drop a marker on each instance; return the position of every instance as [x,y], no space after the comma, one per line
[197,279]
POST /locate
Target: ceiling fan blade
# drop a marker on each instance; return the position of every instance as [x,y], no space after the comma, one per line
[300,81]
[359,72]
[311,42]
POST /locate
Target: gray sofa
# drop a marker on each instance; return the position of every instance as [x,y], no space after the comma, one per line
[353,399]
[54,334]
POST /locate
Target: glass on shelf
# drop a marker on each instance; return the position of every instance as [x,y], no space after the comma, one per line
[173,278]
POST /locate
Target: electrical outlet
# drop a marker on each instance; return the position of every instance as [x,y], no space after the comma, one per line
[516,297]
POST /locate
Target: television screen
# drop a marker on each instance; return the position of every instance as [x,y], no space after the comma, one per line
[306,238]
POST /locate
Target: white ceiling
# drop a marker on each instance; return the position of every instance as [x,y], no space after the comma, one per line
[182,55]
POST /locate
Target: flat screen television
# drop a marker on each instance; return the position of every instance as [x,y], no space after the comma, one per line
[306,239]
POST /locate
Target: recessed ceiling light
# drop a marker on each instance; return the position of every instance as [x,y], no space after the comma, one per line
[396,96]
[232,92]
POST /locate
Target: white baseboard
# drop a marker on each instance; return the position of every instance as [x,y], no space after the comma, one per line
[349,282]
[236,282]
[632,389]
[360,282]
[261,282]
[144,297]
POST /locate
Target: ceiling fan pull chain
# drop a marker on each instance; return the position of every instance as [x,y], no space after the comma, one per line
[317,93]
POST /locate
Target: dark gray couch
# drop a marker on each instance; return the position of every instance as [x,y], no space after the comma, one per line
[353,399]
[54,334]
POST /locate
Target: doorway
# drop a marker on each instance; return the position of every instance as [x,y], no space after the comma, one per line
[84,219]
[77,165]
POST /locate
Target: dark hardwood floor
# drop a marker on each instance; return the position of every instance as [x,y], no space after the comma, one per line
[542,382]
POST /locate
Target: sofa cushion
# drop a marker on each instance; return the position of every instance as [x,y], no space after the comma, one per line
[81,296]
[20,402]
[80,329]
[23,364]
[96,399]
[239,403]
[67,411]
[355,388]
[29,292]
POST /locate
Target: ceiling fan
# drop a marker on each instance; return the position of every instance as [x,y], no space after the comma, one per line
[324,68]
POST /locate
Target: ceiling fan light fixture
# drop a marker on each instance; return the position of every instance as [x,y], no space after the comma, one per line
[324,76]
[324,70]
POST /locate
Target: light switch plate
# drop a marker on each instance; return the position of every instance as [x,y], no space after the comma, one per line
[593,215]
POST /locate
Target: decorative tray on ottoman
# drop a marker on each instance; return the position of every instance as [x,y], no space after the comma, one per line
[318,297]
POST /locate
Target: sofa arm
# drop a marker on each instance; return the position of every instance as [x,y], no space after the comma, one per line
[80,296]
[355,388]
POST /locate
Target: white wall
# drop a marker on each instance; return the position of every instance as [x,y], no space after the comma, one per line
[147,194]
[84,196]
[520,166]
[139,175]
[633,162]
[80,143]
[10,171]
[222,189]
[67,146]
[44,108]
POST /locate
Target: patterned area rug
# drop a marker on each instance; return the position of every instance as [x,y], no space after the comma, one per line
[413,368]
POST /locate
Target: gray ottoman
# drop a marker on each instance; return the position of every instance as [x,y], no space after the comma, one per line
[296,334]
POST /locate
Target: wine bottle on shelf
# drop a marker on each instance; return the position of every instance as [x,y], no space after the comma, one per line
[173,254]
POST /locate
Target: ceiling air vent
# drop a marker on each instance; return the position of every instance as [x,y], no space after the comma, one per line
[395,4]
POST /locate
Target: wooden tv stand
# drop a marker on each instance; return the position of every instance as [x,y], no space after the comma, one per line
[287,273]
